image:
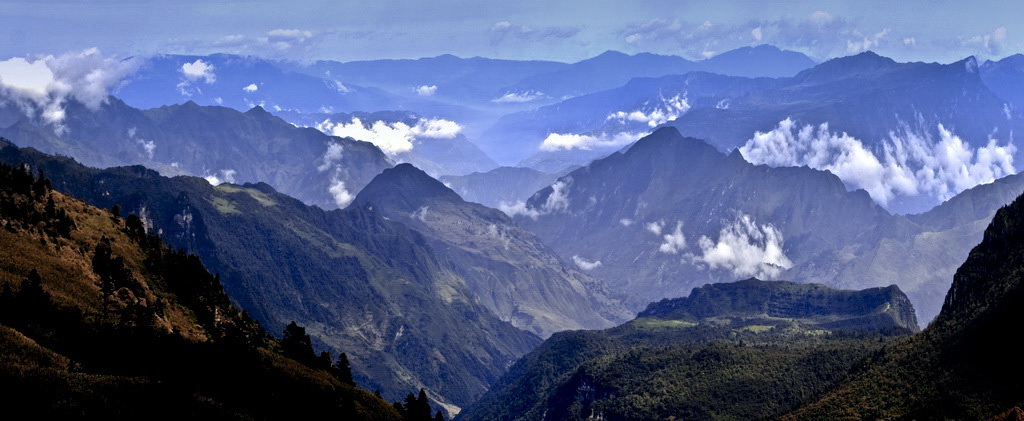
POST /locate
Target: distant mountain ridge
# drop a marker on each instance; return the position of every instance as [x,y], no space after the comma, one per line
[254,146]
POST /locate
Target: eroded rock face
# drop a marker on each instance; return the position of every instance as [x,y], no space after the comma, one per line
[869,309]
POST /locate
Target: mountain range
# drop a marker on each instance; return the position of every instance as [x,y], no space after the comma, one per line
[671,213]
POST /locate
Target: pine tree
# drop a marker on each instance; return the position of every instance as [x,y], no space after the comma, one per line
[438,416]
[421,408]
[343,371]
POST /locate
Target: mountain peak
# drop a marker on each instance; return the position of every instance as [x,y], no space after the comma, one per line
[257,110]
[406,187]
[864,63]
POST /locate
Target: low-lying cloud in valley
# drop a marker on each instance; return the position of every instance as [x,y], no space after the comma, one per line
[667,109]
[557,201]
[518,97]
[905,164]
[569,141]
[392,138]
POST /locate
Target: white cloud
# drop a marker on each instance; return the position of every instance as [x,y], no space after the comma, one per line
[674,242]
[426,90]
[666,110]
[747,249]
[518,208]
[251,88]
[503,30]
[199,69]
[31,77]
[570,141]
[655,227]
[41,86]
[906,164]
[341,196]
[516,97]
[147,145]
[757,33]
[421,213]
[392,138]
[221,177]
[557,201]
[585,264]
[288,40]
[626,222]
[990,44]
[866,42]
[332,155]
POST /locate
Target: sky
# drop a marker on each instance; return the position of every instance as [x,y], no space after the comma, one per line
[914,30]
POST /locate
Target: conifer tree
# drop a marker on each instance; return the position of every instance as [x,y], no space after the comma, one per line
[343,371]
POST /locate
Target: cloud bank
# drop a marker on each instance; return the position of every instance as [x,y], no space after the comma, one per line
[519,97]
[907,164]
[570,141]
[505,30]
[41,86]
[392,138]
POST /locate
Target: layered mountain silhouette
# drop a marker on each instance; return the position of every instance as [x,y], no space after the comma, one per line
[894,111]
[502,185]
[358,282]
[510,271]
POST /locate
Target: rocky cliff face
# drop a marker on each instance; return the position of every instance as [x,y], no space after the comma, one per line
[871,309]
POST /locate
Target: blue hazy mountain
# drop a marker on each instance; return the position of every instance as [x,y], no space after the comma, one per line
[502,185]
[243,82]
[630,111]
[207,141]
[474,80]
[1006,78]
[882,105]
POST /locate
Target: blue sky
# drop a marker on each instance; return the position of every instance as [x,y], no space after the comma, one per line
[939,30]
